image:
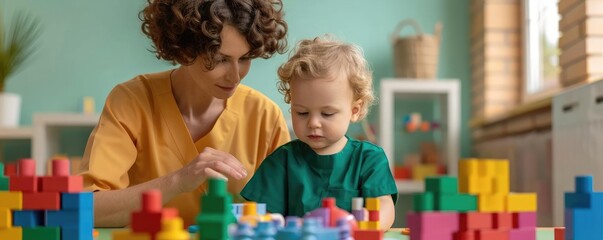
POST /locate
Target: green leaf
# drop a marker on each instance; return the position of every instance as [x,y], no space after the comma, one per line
[17,44]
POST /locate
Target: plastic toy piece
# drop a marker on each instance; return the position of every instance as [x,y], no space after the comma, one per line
[521,202]
[15,233]
[172,230]
[559,233]
[11,200]
[26,181]
[246,232]
[46,233]
[6,218]
[149,218]
[216,213]
[358,209]
[41,201]
[61,181]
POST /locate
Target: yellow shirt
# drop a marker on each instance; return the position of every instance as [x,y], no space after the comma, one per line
[141,136]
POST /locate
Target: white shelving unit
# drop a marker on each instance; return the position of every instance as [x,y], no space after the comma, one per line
[45,138]
[16,133]
[448,91]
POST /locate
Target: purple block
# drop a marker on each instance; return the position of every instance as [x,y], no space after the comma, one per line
[358,215]
[524,220]
[322,214]
[523,234]
[433,225]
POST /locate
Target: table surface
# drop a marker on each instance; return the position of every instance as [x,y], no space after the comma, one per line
[543,234]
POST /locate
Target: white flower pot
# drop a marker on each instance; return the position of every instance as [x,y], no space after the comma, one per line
[10,110]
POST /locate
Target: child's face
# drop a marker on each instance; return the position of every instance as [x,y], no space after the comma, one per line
[321,110]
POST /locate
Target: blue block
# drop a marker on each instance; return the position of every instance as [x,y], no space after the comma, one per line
[583,224]
[584,184]
[291,231]
[260,208]
[77,233]
[77,201]
[28,218]
[80,219]
[584,200]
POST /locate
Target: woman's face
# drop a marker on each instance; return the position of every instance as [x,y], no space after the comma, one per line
[231,66]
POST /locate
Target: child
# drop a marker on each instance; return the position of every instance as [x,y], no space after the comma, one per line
[328,85]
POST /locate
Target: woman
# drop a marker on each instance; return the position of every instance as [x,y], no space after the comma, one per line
[172,130]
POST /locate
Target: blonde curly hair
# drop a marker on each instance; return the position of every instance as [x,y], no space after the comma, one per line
[326,57]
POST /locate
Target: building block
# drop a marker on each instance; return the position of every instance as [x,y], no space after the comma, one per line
[11,200]
[402,172]
[41,201]
[46,233]
[491,202]
[245,232]
[492,235]
[10,170]
[559,233]
[28,218]
[524,220]
[475,221]
[172,230]
[372,204]
[358,209]
[311,229]
[433,225]
[583,223]
[464,235]
[373,215]
[23,184]
[81,223]
[521,202]
[584,184]
[523,234]
[502,221]
[265,230]
[292,229]
[148,218]
[77,201]
[72,233]
[455,202]
[421,171]
[6,218]
[367,235]
[441,184]
[15,233]
[216,213]
[61,181]
[4,183]
[501,181]
[128,235]
[423,202]
[373,225]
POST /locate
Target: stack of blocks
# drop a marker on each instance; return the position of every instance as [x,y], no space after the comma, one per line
[484,208]
[152,222]
[52,207]
[584,211]
[370,229]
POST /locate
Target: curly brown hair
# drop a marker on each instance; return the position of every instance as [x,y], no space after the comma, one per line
[183,30]
[327,57]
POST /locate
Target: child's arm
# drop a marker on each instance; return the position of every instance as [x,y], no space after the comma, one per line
[387,212]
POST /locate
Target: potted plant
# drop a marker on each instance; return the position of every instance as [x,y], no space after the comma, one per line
[16,46]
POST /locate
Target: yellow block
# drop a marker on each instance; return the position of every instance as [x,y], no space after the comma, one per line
[373,225]
[419,172]
[6,218]
[15,233]
[128,235]
[11,200]
[468,167]
[501,168]
[372,204]
[475,184]
[521,202]
[171,229]
[363,225]
[500,185]
[491,202]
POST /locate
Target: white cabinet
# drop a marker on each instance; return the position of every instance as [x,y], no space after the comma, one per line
[44,133]
[447,91]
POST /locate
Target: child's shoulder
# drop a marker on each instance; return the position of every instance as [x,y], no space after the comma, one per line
[364,145]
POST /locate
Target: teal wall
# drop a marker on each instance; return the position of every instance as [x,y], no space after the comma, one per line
[88,46]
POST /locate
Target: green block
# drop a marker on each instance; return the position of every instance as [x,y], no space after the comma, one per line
[442,184]
[456,202]
[422,202]
[46,233]
[1,169]
[4,183]
[213,226]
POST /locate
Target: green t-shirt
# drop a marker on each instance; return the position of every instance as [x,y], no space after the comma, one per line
[293,180]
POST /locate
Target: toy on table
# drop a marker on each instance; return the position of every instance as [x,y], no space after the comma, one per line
[414,122]
[49,207]
[417,167]
[477,206]
[583,211]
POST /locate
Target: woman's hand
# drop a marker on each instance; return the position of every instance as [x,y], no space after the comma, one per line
[209,163]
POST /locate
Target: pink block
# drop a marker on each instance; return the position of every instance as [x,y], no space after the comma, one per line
[523,234]
[524,220]
[60,168]
[433,225]
[27,167]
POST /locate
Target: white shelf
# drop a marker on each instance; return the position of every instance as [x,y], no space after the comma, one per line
[16,133]
[410,186]
[448,90]
[46,128]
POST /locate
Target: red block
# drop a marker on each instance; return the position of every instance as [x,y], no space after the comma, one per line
[402,172]
[368,234]
[68,184]
[559,233]
[42,201]
[475,221]
[492,235]
[502,221]
[148,219]
[23,184]
[466,235]
[10,169]
[373,216]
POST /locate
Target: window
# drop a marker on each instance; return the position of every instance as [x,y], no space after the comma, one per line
[541,58]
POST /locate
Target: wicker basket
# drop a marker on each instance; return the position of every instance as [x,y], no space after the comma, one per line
[416,56]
